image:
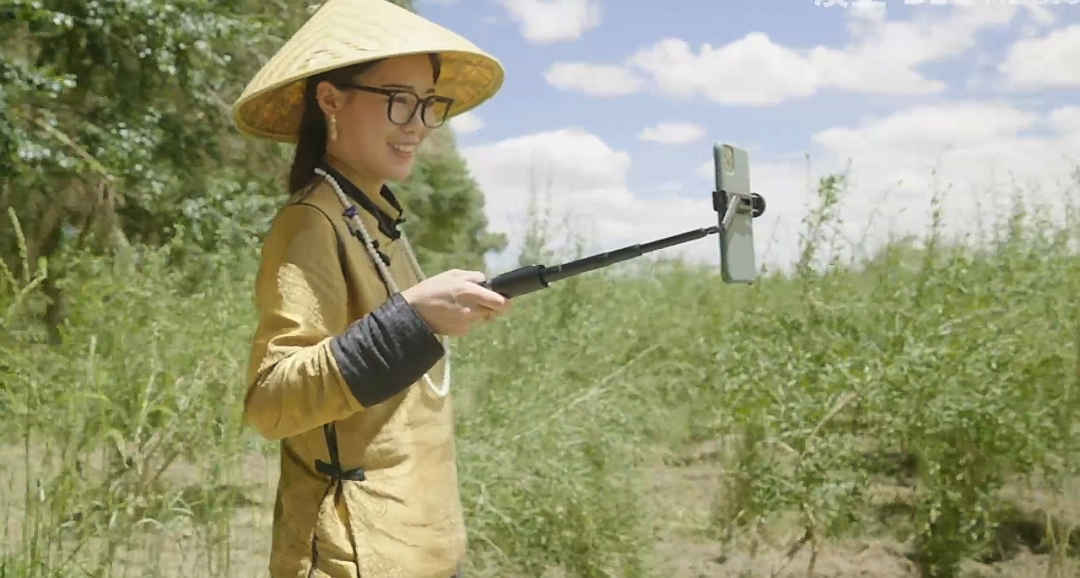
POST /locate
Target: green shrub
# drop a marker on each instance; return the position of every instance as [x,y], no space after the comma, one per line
[959,356]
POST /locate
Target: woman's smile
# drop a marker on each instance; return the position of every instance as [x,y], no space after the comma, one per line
[403,150]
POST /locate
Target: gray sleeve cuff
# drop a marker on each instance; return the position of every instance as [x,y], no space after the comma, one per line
[385,351]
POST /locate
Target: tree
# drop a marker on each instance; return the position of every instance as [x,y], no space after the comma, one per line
[446,206]
[115,131]
[111,118]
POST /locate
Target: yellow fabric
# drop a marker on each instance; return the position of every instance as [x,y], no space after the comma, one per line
[405,520]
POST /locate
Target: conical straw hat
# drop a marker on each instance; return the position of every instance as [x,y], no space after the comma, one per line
[346,32]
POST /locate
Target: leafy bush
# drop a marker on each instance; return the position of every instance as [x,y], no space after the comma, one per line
[956,359]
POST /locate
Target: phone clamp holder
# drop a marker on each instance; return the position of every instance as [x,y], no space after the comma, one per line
[753,202]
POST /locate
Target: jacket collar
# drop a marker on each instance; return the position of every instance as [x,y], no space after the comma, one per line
[385,208]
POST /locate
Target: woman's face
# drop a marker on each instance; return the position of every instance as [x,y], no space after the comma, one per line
[367,140]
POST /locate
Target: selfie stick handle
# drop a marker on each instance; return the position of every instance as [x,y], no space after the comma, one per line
[536,277]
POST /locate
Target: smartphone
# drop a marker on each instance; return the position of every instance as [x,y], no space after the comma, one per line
[737,260]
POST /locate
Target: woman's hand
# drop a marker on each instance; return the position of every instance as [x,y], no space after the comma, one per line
[452,301]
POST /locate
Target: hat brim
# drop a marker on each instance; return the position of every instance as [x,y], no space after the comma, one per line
[347,32]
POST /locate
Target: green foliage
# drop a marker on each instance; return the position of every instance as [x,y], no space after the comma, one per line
[964,360]
[120,101]
[446,219]
[134,390]
[950,367]
[115,129]
[959,359]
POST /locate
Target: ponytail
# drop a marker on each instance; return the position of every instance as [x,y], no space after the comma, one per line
[310,143]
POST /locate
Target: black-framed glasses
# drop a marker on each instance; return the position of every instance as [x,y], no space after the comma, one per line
[401,105]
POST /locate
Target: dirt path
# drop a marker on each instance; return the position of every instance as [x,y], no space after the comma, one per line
[686,493]
[689,492]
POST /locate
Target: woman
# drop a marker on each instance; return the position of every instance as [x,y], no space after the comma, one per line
[346,367]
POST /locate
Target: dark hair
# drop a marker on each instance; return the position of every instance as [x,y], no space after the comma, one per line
[311,142]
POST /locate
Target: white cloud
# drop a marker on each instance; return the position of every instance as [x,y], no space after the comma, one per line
[881,57]
[976,153]
[672,133]
[1042,15]
[593,79]
[1046,62]
[572,172]
[668,188]
[920,133]
[1065,120]
[546,21]
[467,123]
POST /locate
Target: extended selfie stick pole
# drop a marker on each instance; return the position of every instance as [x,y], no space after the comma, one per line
[536,277]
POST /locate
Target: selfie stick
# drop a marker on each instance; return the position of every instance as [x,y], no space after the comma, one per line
[748,205]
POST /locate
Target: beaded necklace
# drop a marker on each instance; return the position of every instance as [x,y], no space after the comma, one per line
[356,226]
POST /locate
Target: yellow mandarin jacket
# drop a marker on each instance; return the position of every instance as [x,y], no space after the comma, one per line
[335,359]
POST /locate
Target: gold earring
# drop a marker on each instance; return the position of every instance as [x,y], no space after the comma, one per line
[333,127]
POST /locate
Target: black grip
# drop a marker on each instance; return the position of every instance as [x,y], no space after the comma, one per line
[757,205]
[518,282]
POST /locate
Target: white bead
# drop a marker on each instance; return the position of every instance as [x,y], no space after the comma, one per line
[356,225]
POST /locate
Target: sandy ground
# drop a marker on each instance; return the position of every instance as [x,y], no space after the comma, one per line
[686,492]
[689,492]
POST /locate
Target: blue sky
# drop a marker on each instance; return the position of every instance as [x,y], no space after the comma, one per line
[917,79]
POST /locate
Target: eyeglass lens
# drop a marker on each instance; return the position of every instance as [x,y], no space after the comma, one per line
[404,105]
